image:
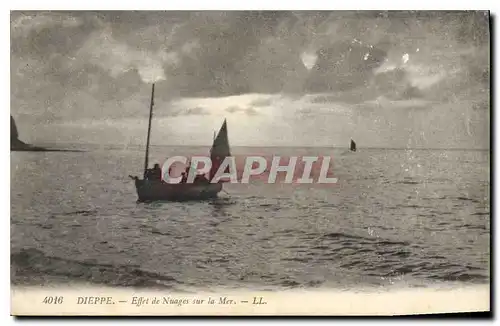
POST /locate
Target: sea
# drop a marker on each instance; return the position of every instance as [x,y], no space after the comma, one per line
[395,218]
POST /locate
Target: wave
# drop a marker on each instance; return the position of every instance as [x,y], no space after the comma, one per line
[31,263]
[377,257]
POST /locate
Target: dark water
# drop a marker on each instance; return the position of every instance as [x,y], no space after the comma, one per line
[396,217]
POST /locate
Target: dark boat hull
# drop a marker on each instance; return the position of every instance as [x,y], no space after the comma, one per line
[148,190]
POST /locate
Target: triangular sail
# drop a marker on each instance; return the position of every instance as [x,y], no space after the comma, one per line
[353,146]
[220,149]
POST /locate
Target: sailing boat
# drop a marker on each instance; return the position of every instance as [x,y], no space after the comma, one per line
[353,146]
[157,190]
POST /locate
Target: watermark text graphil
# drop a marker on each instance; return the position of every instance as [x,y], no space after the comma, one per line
[244,169]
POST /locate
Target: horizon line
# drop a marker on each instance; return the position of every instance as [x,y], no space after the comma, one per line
[123,146]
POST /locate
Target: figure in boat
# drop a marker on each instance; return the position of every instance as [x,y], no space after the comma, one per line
[154,173]
[198,179]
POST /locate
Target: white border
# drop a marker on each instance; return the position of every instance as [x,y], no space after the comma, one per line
[254,5]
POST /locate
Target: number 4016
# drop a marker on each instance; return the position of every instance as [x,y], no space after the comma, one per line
[53,300]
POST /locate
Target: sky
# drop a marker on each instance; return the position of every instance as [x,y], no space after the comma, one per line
[318,78]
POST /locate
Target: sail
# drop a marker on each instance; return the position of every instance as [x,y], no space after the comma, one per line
[14,134]
[220,149]
[353,146]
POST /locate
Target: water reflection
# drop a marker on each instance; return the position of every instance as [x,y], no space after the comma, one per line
[220,206]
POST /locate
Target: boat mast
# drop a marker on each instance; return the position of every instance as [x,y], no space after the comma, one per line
[149,130]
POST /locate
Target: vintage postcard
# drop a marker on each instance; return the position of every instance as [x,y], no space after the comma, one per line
[250,162]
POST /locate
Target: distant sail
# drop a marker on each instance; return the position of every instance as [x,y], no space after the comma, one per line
[220,149]
[353,146]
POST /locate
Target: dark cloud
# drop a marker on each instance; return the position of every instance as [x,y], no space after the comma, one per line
[234,109]
[261,102]
[87,62]
[185,112]
[251,111]
[195,111]
[320,99]
[395,85]
[353,61]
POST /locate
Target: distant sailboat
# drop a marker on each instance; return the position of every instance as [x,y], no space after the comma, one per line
[150,189]
[353,146]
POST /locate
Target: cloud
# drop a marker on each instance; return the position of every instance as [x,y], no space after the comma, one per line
[72,66]
[115,57]
[251,111]
[234,109]
[195,111]
[248,111]
[262,102]
[229,53]
[24,23]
